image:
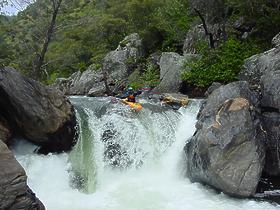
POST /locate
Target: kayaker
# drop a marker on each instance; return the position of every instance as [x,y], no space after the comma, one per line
[130,95]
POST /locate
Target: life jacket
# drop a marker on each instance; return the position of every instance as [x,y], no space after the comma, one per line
[131,98]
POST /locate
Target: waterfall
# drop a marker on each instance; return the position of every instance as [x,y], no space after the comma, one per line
[124,160]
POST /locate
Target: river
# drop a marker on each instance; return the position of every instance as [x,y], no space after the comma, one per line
[125,161]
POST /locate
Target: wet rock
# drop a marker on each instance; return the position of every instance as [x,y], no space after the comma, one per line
[41,114]
[227,150]
[14,192]
[171,66]
[258,65]
[271,125]
[175,100]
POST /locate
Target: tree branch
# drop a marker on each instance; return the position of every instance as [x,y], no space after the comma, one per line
[207,33]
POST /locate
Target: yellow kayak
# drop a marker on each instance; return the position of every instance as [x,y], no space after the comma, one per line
[134,106]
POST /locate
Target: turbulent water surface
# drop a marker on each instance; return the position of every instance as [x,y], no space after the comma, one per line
[124,161]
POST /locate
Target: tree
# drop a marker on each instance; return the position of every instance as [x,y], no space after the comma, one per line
[42,17]
[39,58]
[211,12]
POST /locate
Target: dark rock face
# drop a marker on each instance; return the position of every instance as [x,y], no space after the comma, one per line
[271,124]
[5,130]
[227,150]
[270,89]
[270,102]
[258,65]
[14,192]
[43,115]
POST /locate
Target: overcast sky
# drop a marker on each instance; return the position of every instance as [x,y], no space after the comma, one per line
[11,9]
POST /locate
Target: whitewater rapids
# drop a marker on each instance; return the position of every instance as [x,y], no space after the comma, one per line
[154,178]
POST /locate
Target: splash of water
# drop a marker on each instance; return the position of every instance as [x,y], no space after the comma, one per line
[145,175]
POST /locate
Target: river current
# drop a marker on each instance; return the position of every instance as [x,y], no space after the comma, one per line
[125,160]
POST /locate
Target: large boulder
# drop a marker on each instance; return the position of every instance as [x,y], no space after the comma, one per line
[227,150]
[116,67]
[80,83]
[14,192]
[5,130]
[118,64]
[42,114]
[258,65]
[270,89]
[271,124]
[171,67]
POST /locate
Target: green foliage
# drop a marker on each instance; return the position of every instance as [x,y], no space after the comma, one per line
[87,30]
[263,15]
[219,65]
[150,77]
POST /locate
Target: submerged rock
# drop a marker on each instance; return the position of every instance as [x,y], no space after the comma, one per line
[175,100]
[41,114]
[227,150]
[14,192]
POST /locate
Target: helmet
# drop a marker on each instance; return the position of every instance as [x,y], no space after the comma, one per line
[130,89]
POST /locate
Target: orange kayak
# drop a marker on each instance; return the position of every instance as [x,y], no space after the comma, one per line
[133,106]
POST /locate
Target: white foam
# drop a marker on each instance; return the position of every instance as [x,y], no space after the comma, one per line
[157,185]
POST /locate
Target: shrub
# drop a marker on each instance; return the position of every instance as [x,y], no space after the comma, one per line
[219,65]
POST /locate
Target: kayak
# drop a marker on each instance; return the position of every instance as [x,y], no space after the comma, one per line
[133,106]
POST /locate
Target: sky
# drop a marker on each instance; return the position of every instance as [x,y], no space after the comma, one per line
[11,9]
